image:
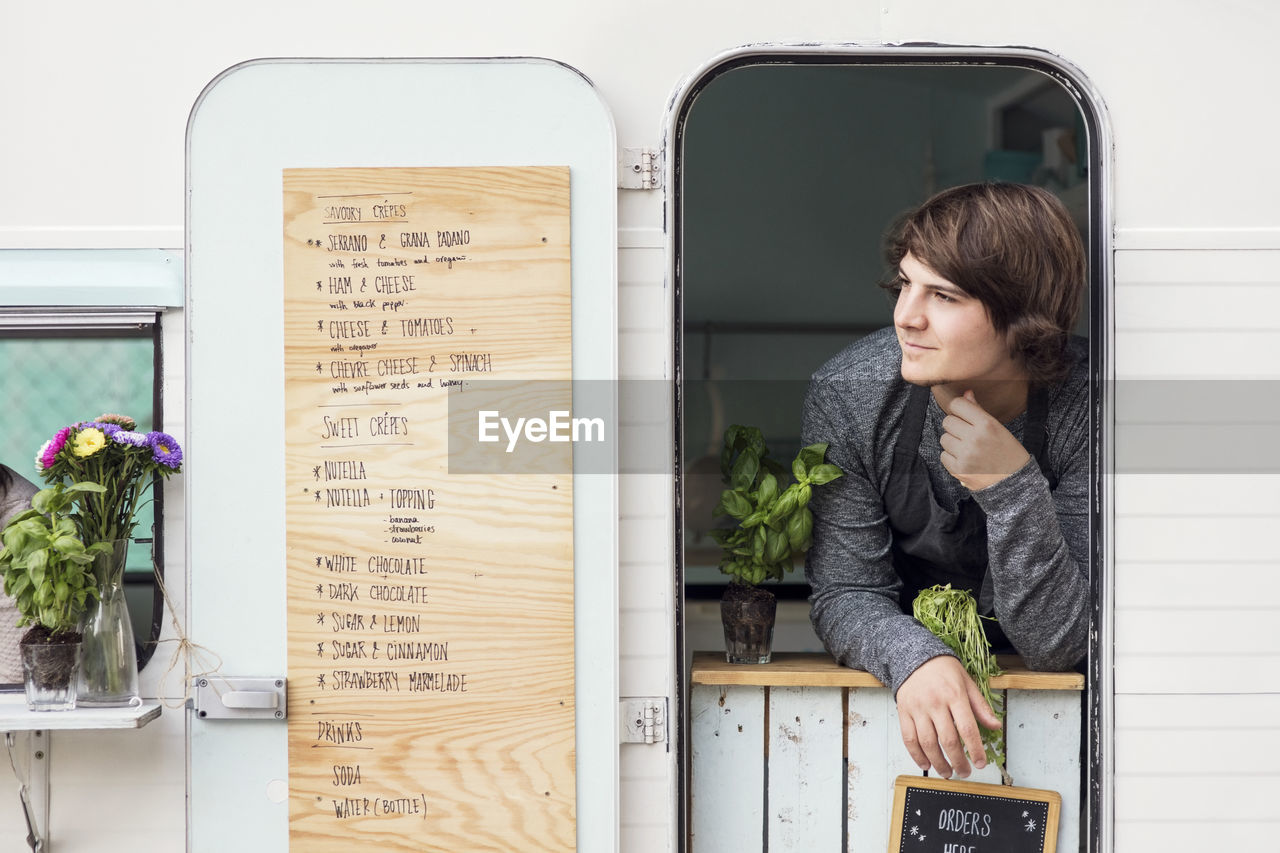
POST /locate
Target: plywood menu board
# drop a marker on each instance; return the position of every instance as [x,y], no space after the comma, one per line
[430,611]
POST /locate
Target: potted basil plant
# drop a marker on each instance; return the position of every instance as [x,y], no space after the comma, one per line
[48,571]
[771,525]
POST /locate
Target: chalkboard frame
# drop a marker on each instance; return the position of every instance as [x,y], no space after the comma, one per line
[904,785]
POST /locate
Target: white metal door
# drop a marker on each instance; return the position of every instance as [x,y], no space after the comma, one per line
[251,123]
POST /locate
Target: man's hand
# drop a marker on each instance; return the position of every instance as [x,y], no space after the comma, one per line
[939,708]
[976,448]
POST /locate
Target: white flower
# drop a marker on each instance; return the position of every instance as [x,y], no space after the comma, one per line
[40,454]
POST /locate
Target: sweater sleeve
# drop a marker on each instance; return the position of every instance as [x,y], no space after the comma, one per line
[1037,543]
[850,565]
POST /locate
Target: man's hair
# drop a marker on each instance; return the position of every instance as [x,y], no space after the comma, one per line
[1016,250]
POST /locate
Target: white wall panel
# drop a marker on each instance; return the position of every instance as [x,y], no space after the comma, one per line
[639,536]
[645,770]
[1190,631]
[1228,305]
[641,308]
[1193,772]
[1248,266]
[644,355]
[646,496]
[1197,796]
[646,534]
[1243,354]
[1207,495]
[1195,586]
[1188,836]
[1223,672]
[637,578]
[116,790]
[1197,539]
[138,68]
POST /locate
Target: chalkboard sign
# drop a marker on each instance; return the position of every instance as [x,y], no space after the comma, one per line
[945,816]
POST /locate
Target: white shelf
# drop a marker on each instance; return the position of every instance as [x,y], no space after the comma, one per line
[15,717]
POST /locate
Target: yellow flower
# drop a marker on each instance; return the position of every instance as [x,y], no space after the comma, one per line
[88,442]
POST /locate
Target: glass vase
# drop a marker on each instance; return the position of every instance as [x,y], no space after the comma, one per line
[49,675]
[108,658]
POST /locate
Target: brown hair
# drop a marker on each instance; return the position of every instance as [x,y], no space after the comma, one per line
[1015,249]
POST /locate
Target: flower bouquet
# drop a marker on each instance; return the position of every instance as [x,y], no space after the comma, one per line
[111,453]
[110,467]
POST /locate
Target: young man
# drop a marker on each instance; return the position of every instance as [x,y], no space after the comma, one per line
[963,435]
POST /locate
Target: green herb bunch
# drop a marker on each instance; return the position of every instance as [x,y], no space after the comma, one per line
[47,568]
[952,616]
[773,521]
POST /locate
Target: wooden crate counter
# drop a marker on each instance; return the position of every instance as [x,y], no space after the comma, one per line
[795,754]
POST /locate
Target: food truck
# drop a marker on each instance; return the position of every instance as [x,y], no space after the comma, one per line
[449,308]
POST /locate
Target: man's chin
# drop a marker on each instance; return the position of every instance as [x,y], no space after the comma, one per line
[922,381]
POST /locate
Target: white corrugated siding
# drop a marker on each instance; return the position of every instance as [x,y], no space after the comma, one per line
[1196,547]
[646,533]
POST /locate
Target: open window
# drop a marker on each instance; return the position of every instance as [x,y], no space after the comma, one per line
[789,166]
[73,347]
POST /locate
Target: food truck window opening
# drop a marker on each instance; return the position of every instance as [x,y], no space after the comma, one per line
[787,167]
[62,366]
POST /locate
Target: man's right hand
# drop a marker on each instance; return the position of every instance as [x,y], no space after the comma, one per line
[939,708]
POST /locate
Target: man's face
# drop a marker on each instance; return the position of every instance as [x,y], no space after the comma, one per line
[945,334]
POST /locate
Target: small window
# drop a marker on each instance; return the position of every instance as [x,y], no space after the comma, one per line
[62,367]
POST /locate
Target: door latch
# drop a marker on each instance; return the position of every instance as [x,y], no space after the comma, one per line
[217,697]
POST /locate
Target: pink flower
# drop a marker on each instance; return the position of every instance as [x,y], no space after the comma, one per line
[49,453]
[122,421]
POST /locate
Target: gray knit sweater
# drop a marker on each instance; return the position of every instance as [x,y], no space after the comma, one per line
[1037,578]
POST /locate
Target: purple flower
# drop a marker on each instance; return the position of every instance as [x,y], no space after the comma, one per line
[129,437]
[108,429]
[165,449]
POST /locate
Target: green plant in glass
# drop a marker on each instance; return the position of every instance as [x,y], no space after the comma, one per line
[47,568]
[772,525]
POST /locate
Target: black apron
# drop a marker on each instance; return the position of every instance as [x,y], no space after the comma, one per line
[934,545]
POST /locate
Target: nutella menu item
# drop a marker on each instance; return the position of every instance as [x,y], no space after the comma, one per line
[430,611]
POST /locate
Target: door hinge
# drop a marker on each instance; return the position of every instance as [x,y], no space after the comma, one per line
[644,720]
[639,169]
